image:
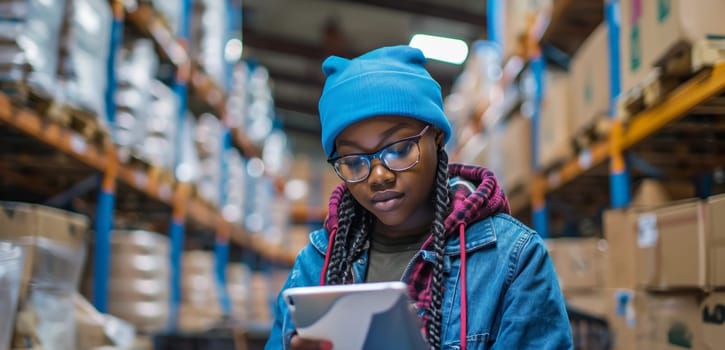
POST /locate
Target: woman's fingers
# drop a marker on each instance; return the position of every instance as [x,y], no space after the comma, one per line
[298,343]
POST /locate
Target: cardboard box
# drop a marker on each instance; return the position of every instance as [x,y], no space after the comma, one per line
[238,273]
[621,317]
[197,319]
[593,302]
[651,29]
[579,263]
[713,321]
[669,322]
[95,330]
[134,266]
[53,240]
[297,238]
[144,315]
[620,231]
[621,235]
[555,132]
[715,223]
[516,153]
[671,247]
[139,242]
[590,80]
[123,290]
[197,262]
[642,321]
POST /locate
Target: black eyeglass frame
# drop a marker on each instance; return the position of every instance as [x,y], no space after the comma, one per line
[378,155]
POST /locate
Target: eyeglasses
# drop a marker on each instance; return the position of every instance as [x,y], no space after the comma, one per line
[400,155]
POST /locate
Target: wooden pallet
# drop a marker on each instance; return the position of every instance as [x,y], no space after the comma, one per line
[682,62]
[84,122]
[24,95]
[597,131]
[153,171]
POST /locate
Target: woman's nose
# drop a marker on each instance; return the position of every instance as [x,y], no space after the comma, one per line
[380,174]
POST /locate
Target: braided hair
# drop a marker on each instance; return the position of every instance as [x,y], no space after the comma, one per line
[352,236]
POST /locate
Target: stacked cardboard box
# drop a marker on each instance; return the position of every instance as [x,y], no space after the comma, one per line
[200,307]
[509,152]
[555,131]
[238,282]
[297,238]
[651,30]
[140,279]
[590,81]
[261,292]
[96,330]
[54,245]
[664,259]
[580,267]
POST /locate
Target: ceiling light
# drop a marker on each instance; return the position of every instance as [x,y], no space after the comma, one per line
[233,50]
[440,48]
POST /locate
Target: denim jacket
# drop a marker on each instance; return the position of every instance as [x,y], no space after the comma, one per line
[514,300]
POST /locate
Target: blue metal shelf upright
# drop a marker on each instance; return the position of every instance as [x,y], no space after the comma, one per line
[176,228]
[107,194]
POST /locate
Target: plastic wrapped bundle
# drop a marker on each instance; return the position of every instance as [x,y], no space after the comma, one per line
[85,44]
[55,250]
[11,267]
[188,168]
[234,188]
[200,308]
[209,36]
[136,71]
[208,144]
[139,284]
[29,31]
[236,107]
[259,119]
[170,11]
[156,143]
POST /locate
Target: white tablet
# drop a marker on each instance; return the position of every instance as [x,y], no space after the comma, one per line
[367,316]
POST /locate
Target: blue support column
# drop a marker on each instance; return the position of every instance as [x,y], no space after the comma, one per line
[538,68]
[102,248]
[221,258]
[106,196]
[176,233]
[495,10]
[176,228]
[619,180]
[540,219]
[221,244]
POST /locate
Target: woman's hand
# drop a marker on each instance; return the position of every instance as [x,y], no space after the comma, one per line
[299,343]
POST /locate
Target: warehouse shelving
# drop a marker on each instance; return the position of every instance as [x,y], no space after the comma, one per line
[624,136]
[147,182]
[597,175]
[156,192]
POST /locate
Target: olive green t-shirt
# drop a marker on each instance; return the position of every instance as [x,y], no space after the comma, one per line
[390,256]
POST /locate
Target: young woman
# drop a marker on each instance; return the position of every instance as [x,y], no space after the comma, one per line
[478,277]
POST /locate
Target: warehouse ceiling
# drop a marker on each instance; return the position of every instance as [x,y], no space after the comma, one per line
[291,38]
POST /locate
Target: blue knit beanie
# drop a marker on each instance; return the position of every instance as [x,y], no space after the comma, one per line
[386,81]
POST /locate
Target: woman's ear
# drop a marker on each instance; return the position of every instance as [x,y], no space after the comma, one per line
[440,139]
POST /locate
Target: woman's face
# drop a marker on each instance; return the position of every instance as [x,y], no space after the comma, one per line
[400,200]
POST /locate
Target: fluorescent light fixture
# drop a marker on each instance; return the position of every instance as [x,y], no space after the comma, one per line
[440,48]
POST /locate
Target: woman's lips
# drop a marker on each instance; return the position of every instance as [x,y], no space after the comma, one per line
[386,201]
